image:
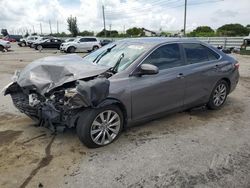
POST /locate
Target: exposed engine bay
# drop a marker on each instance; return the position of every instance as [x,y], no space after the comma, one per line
[54,92]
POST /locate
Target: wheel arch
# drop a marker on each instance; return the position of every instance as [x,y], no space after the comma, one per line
[110,101]
[228,83]
[95,46]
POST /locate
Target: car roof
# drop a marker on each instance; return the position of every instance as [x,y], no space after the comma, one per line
[85,37]
[158,40]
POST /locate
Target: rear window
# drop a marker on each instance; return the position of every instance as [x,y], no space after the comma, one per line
[197,53]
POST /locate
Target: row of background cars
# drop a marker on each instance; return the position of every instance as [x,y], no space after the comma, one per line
[70,45]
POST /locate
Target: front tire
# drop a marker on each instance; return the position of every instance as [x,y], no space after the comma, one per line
[71,49]
[218,95]
[23,44]
[100,127]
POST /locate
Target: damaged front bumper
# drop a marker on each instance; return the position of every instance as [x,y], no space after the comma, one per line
[60,108]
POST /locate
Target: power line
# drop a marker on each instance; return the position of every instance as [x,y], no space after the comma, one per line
[143,12]
[160,4]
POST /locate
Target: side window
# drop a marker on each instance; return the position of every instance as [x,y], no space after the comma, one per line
[83,40]
[91,39]
[94,39]
[197,53]
[164,57]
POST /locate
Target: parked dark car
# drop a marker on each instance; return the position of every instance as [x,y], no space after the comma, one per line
[121,84]
[48,43]
[105,42]
[38,39]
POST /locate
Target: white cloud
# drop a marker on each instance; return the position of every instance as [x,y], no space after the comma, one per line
[151,14]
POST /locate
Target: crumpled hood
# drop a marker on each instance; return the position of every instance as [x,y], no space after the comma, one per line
[50,72]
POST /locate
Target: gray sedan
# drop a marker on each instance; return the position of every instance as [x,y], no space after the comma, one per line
[123,83]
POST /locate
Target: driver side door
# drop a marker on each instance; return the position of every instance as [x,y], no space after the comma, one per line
[162,92]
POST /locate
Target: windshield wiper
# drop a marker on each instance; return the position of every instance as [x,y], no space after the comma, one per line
[97,59]
[115,67]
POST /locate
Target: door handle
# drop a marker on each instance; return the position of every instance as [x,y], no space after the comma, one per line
[180,76]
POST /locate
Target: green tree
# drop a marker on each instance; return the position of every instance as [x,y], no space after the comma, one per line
[202,31]
[63,34]
[112,33]
[72,26]
[101,33]
[232,30]
[86,33]
[165,34]
[135,32]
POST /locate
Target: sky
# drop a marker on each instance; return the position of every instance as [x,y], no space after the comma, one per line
[167,15]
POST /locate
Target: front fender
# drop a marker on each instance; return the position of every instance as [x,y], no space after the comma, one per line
[110,101]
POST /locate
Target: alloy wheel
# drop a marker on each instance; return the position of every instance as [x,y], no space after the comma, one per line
[220,94]
[39,47]
[105,127]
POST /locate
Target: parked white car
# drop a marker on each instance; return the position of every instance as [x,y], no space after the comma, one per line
[25,41]
[81,44]
[4,45]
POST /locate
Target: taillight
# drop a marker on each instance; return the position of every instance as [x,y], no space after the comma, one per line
[237,65]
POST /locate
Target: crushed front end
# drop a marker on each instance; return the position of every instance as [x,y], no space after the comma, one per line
[53,90]
[60,107]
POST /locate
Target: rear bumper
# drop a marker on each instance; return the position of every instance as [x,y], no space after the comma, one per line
[234,80]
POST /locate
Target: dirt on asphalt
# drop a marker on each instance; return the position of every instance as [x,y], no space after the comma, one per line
[197,148]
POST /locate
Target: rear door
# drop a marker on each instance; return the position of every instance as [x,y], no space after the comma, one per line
[57,43]
[83,44]
[91,42]
[47,43]
[201,72]
[152,94]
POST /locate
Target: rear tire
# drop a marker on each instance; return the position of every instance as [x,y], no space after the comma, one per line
[39,47]
[95,48]
[1,49]
[94,132]
[218,95]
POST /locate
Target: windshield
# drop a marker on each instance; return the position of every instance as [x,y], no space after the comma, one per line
[110,55]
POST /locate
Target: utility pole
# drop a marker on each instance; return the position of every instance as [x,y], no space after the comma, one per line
[104,24]
[50,27]
[110,30]
[33,28]
[185,18]
[57,28]
[41,28]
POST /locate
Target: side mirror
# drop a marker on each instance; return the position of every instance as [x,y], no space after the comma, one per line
[147,69]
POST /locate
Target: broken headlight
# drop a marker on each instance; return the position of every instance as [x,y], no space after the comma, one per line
[69,93]
[73,99]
